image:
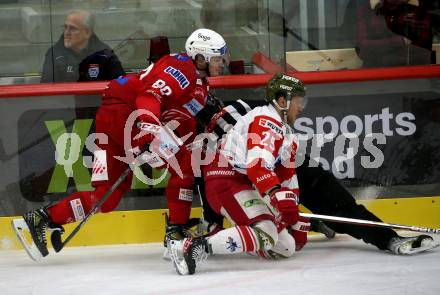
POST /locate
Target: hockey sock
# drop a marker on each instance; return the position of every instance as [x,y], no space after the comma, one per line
[237,240]
[70,209]
[76,206]
[179,204]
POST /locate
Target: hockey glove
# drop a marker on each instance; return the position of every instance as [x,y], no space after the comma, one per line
[148,132]
[286,202]
[299,232]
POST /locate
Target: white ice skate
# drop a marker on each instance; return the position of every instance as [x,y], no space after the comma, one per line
[412,245]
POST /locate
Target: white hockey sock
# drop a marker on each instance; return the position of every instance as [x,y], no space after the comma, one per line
[235,240]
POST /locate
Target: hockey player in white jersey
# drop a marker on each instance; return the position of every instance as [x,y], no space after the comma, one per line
[320,192]
[252,182]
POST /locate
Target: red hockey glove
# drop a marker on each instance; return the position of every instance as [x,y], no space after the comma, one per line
[147,133]
[286,202]
[299,232]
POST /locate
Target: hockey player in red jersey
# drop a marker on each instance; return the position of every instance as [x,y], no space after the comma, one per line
[256,159]
[173,89]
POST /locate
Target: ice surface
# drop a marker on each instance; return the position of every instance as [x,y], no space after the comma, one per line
[339,266]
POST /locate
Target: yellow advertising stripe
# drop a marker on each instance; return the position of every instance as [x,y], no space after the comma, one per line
[147,226]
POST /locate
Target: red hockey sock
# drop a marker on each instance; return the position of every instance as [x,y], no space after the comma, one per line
[179,204]
[71,209]
[77,205]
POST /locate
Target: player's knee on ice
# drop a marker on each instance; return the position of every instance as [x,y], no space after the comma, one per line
[276,245]
[285,247]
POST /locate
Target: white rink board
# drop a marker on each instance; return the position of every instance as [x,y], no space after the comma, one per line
[340,266]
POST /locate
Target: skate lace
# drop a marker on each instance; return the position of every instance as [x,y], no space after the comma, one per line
[41,224]
[43,228]
[198,253]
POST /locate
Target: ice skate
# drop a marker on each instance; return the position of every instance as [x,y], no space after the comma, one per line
[177,232]
[320,227]
[187,254]
[411,245]
[36,222]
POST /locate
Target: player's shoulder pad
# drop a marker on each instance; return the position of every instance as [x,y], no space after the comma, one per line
[182,70]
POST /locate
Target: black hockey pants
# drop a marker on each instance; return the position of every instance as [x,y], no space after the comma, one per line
[321,193]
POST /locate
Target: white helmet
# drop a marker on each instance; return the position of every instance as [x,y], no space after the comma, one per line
[207,43]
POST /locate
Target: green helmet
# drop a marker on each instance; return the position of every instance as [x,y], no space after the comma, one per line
[284,85]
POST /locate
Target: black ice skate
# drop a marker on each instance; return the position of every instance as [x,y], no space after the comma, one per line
[411,245]
[320,227]
[36,222]
[187,254]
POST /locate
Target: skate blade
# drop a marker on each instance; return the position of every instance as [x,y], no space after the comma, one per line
[420,249]
[166,255]
[22,231]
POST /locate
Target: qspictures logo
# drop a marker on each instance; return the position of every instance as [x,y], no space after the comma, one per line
[74,153]
[351,135]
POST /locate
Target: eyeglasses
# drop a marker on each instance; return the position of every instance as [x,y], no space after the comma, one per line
[71,29]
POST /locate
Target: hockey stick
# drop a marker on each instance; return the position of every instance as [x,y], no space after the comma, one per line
[362,222]
[20,226]
[115,185]
[151,128]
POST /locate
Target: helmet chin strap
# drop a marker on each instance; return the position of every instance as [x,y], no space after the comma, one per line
[284,110]
[284,114]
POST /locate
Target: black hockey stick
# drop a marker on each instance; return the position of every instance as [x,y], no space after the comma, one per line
[58,246]
[362,222]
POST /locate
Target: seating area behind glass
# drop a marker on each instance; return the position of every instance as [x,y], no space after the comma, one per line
[311,35]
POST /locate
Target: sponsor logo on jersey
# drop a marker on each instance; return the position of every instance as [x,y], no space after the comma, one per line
[178,76]
[99,171]
[186,195]
[193,106]
[220,173]
[77,208]
[149,127]
[93,71]
[265,176]
[305,227]
[250,203]
[270,125]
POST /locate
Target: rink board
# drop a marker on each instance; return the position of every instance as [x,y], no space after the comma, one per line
[147,226]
